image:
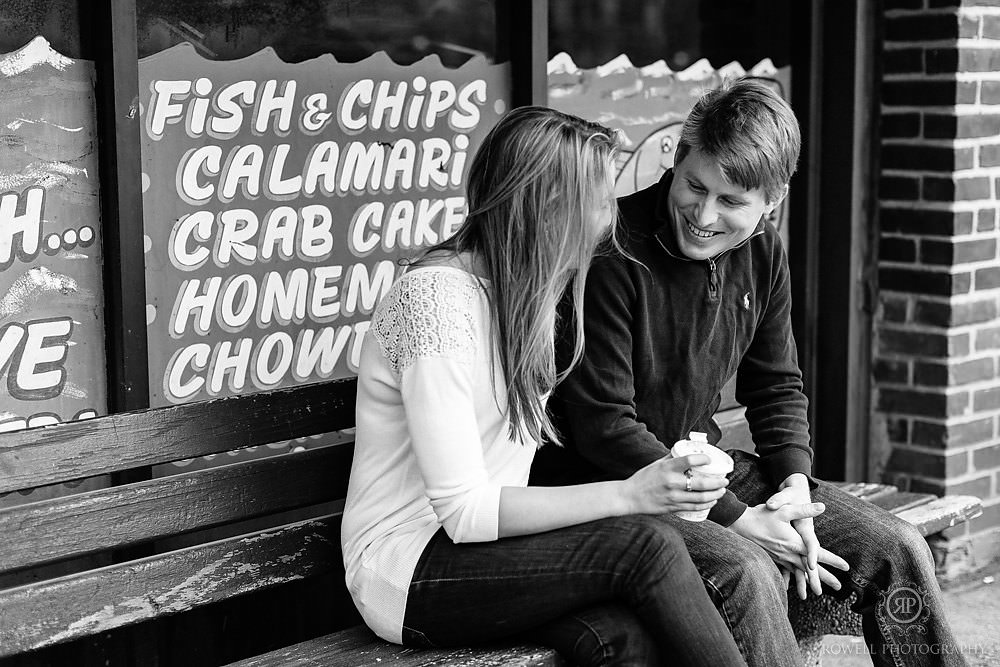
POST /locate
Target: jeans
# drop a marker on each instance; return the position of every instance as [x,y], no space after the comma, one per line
[886,554]
[565,588]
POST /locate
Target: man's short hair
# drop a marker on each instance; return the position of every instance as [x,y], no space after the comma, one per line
[750,130]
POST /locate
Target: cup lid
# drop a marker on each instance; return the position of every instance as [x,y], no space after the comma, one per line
[720,464]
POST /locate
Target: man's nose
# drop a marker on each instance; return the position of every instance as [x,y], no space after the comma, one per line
[707,212]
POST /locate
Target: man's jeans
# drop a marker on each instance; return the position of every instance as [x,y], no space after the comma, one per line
[886,555]
[890,564]
[632,574]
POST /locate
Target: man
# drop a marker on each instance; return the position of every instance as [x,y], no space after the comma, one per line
[702,295]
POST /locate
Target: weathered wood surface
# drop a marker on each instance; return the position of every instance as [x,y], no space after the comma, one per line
[942,513]
[735,429]
[867,490]
[75,450]
[58,610]
[902,500]
[108,518]
[928,513]
[358,647]
[727,397]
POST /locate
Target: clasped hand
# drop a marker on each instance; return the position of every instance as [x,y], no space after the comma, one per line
[662,487]
[783,526]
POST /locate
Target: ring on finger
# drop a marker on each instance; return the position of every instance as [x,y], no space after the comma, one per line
[689,474]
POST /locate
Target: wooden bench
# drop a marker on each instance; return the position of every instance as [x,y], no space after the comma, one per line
[239,562]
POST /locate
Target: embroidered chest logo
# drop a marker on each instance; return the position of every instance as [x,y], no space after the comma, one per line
[746,301]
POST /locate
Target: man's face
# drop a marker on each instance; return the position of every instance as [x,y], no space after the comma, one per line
[710,214]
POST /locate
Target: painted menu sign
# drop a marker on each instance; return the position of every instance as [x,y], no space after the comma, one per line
[52,355]
[278,199]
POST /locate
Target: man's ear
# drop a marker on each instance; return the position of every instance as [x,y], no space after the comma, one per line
[771,205]
[677,160]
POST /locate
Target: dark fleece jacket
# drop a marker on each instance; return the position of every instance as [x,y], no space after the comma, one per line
[663,336]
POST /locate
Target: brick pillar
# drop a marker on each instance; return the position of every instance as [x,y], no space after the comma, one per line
[937,331]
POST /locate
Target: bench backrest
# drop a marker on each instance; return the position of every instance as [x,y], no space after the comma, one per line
[138,551]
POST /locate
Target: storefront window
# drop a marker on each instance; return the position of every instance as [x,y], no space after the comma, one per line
[292,154]
[350,30]
[282,186]
[60,22]
[679,32]
[52,351]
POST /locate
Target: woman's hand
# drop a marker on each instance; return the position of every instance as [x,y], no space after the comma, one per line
[662,487]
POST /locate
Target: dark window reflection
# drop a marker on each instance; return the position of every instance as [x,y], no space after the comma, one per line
[677,31]
[351,30]
[61,22]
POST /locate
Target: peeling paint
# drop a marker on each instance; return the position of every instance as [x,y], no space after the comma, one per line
[107,618]
[35,53]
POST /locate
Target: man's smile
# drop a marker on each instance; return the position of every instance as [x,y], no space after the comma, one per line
[699,232]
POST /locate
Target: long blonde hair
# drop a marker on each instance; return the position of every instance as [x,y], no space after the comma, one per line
[531,189]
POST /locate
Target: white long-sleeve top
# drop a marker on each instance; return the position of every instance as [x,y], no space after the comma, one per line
[432,446]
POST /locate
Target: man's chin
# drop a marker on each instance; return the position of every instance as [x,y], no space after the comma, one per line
[695,252]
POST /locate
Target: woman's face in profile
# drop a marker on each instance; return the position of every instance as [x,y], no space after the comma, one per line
[601,211]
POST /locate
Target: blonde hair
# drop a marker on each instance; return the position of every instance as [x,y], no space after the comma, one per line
[750,130]
[531,186]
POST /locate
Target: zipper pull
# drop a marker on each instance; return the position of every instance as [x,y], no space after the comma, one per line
[713,278]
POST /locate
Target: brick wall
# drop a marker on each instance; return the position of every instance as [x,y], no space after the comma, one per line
[937,338]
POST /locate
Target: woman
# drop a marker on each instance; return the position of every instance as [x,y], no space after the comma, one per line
[444,544]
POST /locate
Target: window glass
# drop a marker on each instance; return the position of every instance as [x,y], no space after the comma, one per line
[676,31]
[292,154]
[60,22]
[350,30]
[52,352]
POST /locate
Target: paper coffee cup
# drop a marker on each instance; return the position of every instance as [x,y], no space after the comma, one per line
[720,465]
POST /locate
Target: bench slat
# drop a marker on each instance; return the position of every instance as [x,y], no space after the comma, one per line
[74,450]
[358,647]
[867,490]
[93,602]
[735,429]
[108,518]
[902,500]
[942,513]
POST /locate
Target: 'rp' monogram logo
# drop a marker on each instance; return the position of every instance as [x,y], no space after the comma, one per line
[746,301]
[903,609]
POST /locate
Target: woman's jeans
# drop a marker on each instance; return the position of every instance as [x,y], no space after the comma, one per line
[631,573]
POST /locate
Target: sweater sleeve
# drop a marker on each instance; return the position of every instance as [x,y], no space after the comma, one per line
[429,334]
[769,384]
[437,393]
[598,397]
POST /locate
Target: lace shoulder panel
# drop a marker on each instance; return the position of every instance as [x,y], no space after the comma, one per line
[427,313]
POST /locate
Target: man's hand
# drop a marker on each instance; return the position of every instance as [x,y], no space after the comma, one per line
[794,490]
[773,531]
